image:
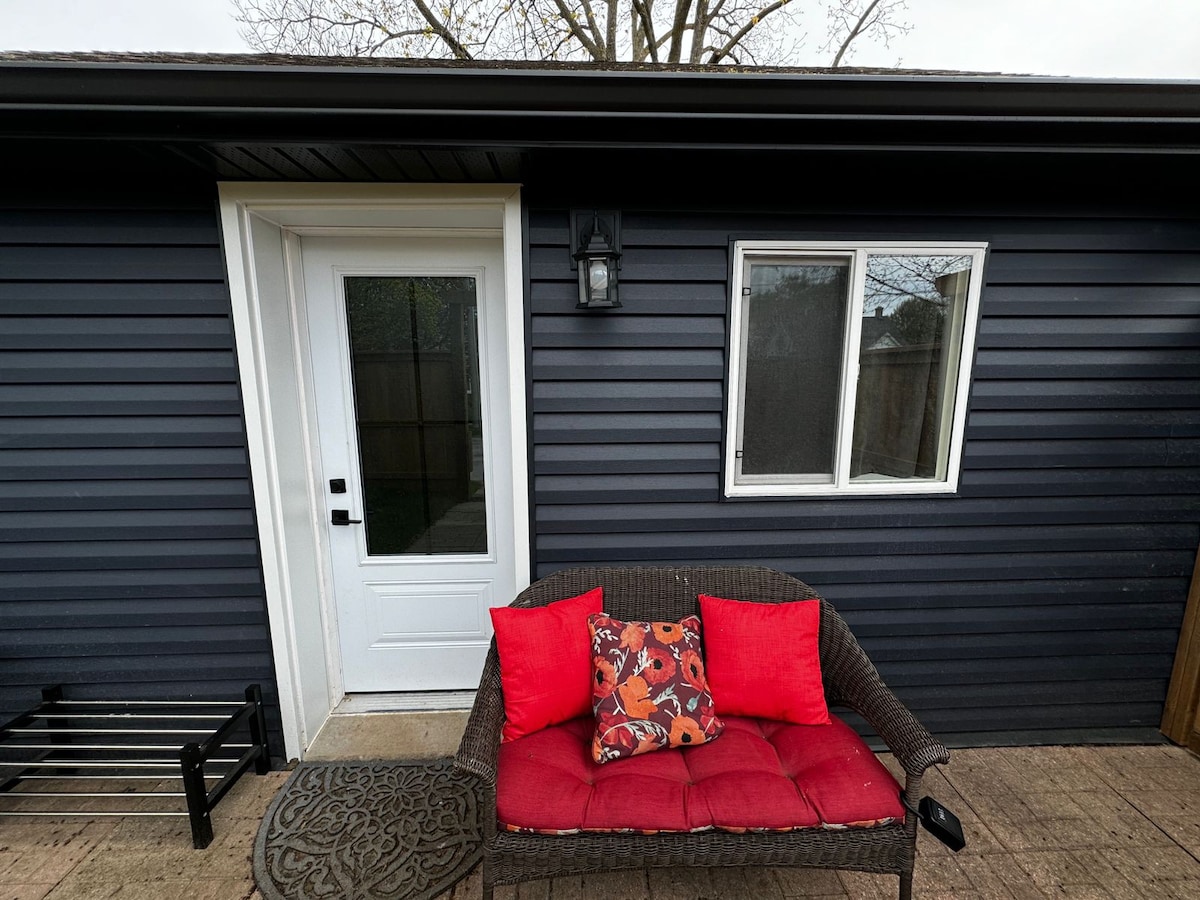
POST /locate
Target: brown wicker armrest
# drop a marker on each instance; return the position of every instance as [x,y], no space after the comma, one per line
[480,745]
[852,680]
[912,745]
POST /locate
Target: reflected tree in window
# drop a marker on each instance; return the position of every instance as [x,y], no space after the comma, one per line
[905,377]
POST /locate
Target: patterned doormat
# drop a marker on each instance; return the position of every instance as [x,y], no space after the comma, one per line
[368,831]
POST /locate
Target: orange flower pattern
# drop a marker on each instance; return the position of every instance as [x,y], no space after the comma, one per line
[660,665]
[605,679]
[635,697]
[693,669]
[667,632]
[649,690]
[686,730]
[633,636]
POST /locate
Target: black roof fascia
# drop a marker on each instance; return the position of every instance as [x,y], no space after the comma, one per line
[527,108]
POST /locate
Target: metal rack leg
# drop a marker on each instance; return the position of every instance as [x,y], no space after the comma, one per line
[192,763]
[258,729]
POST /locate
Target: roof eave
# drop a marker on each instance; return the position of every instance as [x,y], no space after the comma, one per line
[518,107]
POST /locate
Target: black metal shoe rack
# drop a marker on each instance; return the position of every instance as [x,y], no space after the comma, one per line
[199,746]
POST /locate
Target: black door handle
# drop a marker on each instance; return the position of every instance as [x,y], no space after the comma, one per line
[342,517]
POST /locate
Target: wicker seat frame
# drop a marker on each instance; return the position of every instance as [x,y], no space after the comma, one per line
[668,594]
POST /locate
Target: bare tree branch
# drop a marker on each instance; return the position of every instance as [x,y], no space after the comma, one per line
[854,32]
[701,26]
[611,33]
[442,31]
[577,30]
[642,8]
[851,21]
[678,29]
[745,30]
[675,31]
[597,33]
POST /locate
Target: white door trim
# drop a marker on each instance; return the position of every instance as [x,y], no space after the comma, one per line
[261,224]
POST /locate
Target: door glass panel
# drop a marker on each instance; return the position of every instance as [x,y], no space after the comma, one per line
[415,359]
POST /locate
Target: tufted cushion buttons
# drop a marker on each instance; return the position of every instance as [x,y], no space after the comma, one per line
[760,776]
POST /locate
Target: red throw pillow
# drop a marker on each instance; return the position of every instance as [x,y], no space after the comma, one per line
[648,687]
[764,660]
[545,662]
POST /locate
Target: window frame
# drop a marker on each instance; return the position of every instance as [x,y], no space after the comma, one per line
[955,408]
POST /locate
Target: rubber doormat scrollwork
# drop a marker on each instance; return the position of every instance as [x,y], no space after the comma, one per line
[368,831]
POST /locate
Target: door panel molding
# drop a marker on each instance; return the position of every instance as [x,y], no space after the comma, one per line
[260,222]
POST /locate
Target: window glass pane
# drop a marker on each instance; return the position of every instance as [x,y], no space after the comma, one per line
[794,321]
[911,331]
[415,356]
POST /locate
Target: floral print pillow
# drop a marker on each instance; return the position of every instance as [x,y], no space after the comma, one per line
[648,687]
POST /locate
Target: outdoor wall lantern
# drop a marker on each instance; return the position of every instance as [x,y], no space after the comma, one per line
[597,256]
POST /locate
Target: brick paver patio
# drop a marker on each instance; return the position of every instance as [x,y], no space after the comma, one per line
[1103,822]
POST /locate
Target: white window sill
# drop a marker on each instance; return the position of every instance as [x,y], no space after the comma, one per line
[858,489]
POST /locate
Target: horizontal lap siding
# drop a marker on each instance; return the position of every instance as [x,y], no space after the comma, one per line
[129,563]
[1044,600]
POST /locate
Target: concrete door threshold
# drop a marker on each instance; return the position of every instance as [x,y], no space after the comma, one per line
[358,729]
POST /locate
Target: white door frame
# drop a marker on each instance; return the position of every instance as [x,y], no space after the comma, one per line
[261,227]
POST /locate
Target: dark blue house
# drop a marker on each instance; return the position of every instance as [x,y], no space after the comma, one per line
[305,363]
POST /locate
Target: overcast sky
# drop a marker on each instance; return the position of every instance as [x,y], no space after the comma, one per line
[1096,38]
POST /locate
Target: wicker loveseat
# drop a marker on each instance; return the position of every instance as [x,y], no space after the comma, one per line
[668,594]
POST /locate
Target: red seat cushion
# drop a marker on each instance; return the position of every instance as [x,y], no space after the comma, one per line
[759,776]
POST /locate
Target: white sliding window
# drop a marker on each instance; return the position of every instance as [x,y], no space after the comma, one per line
[849,367]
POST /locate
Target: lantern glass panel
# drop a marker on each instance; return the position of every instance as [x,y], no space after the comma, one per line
[598,279]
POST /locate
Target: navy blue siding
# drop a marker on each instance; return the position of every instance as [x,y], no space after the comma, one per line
[129,562]
[1043,600]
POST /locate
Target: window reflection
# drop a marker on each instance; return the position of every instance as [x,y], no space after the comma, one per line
[906,378]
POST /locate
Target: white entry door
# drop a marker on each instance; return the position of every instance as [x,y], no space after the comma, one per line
[410,378]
